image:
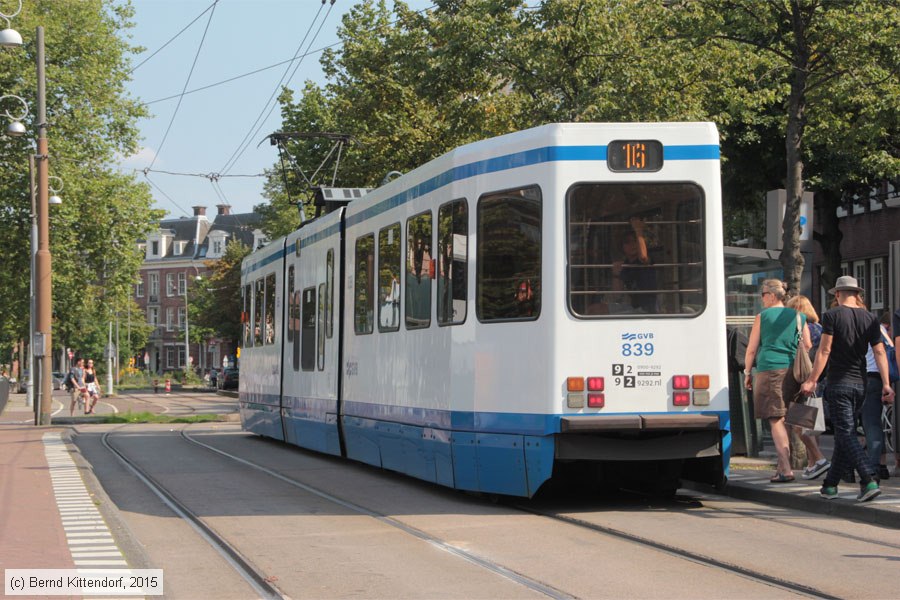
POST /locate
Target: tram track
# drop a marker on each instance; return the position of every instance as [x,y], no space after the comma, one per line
[259,580]
[726,566]
[256,579]
[683,553]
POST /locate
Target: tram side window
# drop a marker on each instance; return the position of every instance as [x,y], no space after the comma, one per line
[321,328]
[308,330]
[418,271]
[636,249]
[329,294]
[290,299]
[258,312]
[270,309]
[363,290]
[246,319]
[389,278]
[453,242]
[508,256]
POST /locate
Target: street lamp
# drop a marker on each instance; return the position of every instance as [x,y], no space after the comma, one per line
[10,38]
[15,129]
[187,337]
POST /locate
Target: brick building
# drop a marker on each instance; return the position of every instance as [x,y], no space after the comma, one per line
[868,228]
[174,255]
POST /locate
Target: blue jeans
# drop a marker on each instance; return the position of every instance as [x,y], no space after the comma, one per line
[843,400]
[871,421]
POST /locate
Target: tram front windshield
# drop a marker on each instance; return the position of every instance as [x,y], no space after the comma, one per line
[635,249]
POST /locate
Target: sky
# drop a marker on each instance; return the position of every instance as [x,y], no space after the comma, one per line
[221,130]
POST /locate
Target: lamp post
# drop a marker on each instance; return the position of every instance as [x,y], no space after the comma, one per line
[187,337]
[42,342]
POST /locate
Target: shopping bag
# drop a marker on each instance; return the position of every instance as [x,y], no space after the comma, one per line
[802,362]
[801,414]
[819,427]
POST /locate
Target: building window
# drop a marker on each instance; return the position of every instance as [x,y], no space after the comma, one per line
[170,357]
[877,283]
[508,256]
[170,284]
[859,272]
[179,248]
[217,247]
[154,248]
[181,359]
[139,288]
[154,287]
[170,319]
[182,284]
[153,316]
[181,317]
[453,241]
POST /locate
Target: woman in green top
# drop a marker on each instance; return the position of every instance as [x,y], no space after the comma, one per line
[772,346]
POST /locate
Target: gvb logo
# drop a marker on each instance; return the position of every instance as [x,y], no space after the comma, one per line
[637,336]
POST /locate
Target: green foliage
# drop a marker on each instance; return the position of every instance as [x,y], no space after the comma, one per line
[216,302]
[92,120]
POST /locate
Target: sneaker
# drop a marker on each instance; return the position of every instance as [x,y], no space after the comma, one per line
[816,470]
[883,472]
[868,491]
[828,492]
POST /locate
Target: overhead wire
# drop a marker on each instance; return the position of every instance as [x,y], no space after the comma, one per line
[173,38]
[257,124]
[190,73]
[261,69]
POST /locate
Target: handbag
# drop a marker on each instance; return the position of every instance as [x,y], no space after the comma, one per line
[802,363]
[801,414]
[819,427]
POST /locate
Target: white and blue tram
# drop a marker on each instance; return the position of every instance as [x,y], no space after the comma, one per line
[547,301]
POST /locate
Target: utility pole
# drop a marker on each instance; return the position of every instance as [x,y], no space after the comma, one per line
[42,342]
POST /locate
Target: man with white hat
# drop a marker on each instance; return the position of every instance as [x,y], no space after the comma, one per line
[847,332]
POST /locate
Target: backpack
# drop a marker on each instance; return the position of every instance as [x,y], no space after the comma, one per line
[69,382]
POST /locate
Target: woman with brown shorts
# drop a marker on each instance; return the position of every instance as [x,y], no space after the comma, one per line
[772,346]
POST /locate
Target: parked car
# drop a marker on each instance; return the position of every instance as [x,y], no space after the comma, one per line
[228,379]
[58,379]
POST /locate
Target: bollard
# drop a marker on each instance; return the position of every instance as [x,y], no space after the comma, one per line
[156,386]
[168,385]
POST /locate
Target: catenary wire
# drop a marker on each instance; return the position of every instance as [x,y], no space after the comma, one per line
[244,143]
[190,73]
[173,38]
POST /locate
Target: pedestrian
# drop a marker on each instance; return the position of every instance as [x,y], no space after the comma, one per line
[847,331]
[93,387]
[78,389]
[816,463]
[772,347]
[872,407]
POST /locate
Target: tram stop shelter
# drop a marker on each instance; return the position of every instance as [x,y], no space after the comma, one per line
[745,268]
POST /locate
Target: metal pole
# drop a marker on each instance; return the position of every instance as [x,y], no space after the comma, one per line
[43,271]
[187,337]
[109,364]
[29,390]
[118,353]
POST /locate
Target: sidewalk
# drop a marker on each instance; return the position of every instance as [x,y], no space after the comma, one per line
[749,480]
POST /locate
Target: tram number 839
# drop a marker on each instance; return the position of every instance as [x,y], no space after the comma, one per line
[638,349]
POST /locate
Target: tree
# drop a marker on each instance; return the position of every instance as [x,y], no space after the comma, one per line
[216,307]
[94,233]
[817,47]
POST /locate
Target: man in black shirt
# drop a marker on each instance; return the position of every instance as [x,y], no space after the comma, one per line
[847,333]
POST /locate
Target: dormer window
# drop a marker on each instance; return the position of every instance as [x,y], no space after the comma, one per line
[154,248]
[217,247]
[179,248]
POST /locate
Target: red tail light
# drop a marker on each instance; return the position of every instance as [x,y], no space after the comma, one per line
[681,398]
[681,382]
[595,384]
[596,401]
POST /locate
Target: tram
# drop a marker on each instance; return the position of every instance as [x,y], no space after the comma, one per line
[545,302]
